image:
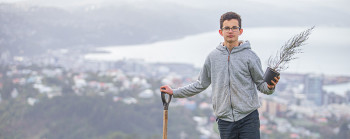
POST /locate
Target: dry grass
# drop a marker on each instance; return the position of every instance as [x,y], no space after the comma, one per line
[288,51]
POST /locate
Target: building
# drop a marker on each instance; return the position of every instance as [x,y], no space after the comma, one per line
[273,106]
[313,88]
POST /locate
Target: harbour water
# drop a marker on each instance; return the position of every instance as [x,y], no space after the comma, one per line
[326,52]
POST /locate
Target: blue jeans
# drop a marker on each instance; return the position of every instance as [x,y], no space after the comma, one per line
[246,128]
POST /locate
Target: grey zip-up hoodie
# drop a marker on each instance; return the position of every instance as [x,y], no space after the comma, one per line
[234,78]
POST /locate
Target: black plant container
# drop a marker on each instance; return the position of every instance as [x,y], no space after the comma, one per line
[269,75]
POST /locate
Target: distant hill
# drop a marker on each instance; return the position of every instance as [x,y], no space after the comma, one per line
[29,30]
[31,27]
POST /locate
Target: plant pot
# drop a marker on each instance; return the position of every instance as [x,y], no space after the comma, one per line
[269,75]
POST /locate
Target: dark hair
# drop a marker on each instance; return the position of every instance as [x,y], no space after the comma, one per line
[229,16]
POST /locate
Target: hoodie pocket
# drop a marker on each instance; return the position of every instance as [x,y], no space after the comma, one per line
[222,104]
[243,100]
[214,103]
[243,93]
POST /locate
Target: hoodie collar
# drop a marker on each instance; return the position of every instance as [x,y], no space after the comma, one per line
[243,45]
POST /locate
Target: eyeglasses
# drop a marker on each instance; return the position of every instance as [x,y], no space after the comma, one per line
[234,28]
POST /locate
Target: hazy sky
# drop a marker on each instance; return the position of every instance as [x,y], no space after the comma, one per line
[312,11]
[341,5]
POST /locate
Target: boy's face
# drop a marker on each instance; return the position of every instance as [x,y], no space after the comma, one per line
[230,30]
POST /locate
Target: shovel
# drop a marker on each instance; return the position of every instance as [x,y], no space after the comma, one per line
[165,114]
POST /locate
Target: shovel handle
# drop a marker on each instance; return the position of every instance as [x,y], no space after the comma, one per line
[165,124]
[165,113]
[165,102]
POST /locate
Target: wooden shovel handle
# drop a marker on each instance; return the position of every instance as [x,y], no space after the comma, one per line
[165,124]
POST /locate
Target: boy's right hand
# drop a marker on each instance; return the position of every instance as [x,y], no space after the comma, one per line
[166,89]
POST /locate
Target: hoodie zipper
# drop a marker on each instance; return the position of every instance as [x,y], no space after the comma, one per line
[229,82]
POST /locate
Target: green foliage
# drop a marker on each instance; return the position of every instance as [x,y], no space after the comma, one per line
[74,117]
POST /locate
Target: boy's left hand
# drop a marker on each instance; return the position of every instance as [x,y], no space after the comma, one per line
[274,83]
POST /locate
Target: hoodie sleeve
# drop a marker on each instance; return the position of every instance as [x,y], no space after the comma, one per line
[203,82]
[257,76]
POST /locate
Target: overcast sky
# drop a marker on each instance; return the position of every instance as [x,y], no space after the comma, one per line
[341,5]
[310,11]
